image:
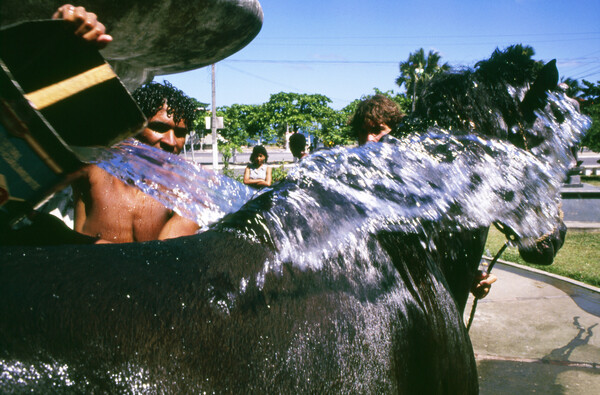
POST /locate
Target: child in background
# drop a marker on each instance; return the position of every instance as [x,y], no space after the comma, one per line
[257,173]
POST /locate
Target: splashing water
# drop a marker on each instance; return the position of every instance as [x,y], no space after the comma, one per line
[334,198]
[191,191]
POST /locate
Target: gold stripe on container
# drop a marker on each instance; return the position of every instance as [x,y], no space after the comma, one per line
[54,93]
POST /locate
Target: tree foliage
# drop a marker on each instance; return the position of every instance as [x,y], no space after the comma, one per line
[198,123]
[573,87]
[311,113]
[294,112]
[588,95]
[590,106]
[288,111]
[418,69]
[243,121]
[334,128]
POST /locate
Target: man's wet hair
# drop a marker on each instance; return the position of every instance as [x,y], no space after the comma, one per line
[374,111]
[151,97]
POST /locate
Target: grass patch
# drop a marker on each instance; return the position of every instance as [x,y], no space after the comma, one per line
[579,258]
[592,180]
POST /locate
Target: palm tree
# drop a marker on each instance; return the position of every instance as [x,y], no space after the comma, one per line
[418,69]
[574,88]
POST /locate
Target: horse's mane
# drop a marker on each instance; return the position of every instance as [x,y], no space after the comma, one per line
[460,100]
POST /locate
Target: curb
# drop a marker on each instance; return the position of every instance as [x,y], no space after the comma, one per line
[586,227]
[543,273]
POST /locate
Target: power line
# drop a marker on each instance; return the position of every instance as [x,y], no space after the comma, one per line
[575,75]
[412,44]
[369,62]
[425,36]
[276,83]
[224,63]
[582,77]
[589,60]
[590,72]
[300,61]
[580,72]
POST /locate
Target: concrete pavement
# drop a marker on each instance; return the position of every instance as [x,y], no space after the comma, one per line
[277,157]
[581,226]
[537,333]
[204,157]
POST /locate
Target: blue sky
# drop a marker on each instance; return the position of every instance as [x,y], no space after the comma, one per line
[344,49]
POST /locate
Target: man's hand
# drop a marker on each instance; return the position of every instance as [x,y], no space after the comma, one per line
[375,137]
[87,25]
[482,284]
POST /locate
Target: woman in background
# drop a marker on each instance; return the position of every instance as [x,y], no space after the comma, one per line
[258,174]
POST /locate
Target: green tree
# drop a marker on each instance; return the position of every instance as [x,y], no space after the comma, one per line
[591,107]
[417,70]
[201,112]
[197,126]
[334,128]
[228,150]
[296,111]
[574,88]
[240,122]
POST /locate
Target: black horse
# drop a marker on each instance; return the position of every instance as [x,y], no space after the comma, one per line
[227,311]
[478,101]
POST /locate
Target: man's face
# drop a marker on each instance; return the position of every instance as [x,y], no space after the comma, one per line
[162,132]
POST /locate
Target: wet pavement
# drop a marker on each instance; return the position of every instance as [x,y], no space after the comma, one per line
[537,333]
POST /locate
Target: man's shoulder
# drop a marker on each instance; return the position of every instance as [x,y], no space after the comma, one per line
[102,183]
[97,175]
[93,171]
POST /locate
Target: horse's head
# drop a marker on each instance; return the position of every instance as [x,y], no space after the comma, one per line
[513,98]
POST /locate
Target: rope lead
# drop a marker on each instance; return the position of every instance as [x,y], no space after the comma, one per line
[511,236]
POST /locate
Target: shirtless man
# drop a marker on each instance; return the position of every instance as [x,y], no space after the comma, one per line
[113,211]
[106,208]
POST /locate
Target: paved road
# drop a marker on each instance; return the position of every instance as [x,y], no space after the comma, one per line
[242,158]
[537,333]
[276,157]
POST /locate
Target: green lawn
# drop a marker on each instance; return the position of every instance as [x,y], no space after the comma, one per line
[579,258]
[592,180]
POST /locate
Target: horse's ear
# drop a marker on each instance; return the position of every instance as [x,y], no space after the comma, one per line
[547,79]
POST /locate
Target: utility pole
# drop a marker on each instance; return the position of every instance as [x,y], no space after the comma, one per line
[213,122]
